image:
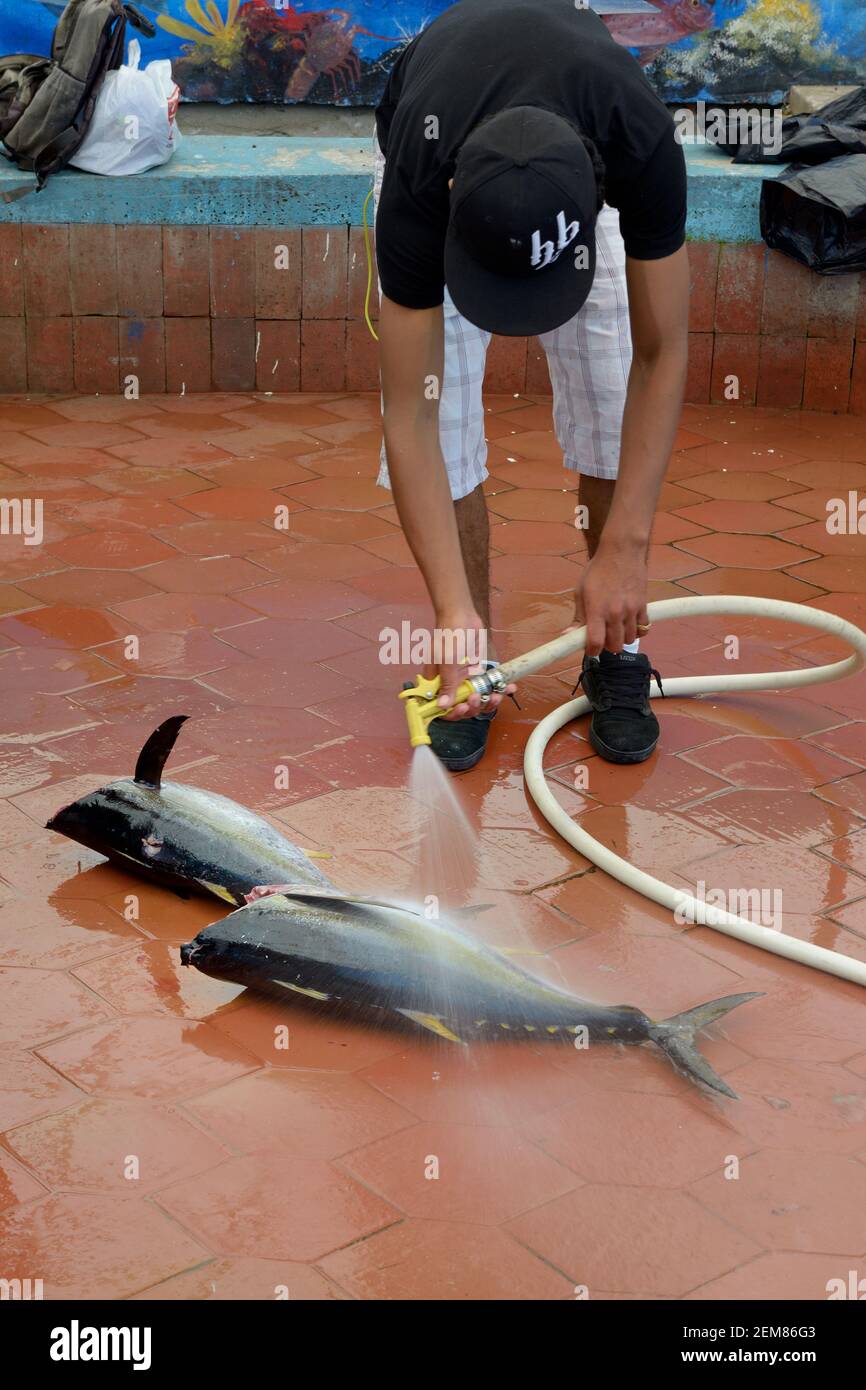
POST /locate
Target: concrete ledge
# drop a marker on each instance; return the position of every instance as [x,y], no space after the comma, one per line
[724,197]
[234,181]
[276,181]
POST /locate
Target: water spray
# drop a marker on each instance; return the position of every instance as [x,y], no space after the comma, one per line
[422,707]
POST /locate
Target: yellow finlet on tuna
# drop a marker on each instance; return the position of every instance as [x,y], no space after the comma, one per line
[431,1022]
[218,890]
[299,989]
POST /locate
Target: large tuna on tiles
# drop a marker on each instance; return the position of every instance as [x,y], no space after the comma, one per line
[181,836]
[385,958]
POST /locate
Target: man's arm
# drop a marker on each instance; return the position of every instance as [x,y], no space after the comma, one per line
[411,354]
[614,586]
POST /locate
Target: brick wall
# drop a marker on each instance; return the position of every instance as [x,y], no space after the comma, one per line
[83,306]
[793,338]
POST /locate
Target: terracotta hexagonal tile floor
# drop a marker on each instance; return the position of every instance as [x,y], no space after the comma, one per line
[90,1147]
[321,1208]
[633,1240]
[233,1280]
[95,1246]
[258,588]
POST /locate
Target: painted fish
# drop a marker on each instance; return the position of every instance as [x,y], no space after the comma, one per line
[650,33]
[381,956]
[181,836]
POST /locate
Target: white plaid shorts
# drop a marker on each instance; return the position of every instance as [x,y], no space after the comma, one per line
[588,359]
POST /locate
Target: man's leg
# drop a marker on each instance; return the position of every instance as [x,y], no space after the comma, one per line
[589,359]
[596,494]
[473,525]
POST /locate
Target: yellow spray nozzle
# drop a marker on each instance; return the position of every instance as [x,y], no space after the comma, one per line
[422,707]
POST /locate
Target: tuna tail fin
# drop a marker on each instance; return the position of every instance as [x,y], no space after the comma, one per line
[676,1037]
[152,758]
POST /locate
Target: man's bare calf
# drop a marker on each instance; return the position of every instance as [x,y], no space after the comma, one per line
[473,526]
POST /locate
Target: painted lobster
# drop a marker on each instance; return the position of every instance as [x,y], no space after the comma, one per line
[323,38]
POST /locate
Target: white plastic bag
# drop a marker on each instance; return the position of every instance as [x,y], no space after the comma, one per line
[134,125]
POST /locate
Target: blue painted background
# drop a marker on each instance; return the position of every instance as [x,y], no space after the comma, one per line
[676,41]
[27,25]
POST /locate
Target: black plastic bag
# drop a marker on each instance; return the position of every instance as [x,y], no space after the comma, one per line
[838,128]
[818,214]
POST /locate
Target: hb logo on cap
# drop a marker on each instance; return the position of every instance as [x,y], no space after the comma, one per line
[544,252]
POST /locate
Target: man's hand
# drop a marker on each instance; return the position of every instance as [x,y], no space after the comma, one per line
[473,638]
[612,595]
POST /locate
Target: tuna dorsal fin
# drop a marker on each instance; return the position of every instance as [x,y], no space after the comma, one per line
[151,759]
[319,892]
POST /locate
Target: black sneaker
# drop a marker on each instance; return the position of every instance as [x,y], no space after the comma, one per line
[623,728]
[460,743]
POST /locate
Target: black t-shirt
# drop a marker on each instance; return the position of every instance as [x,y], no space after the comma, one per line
[482,56]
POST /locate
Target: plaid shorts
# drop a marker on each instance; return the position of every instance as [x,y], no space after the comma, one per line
[588,359]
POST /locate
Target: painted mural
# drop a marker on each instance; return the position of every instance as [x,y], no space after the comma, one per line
[278,51]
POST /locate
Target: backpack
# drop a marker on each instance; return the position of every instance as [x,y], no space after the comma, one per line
[46,104]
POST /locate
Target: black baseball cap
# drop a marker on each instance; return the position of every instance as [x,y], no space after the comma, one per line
[523,203]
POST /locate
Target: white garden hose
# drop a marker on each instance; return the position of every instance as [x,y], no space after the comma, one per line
[690,908]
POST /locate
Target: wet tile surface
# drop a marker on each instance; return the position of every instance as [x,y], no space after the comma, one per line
[231,558]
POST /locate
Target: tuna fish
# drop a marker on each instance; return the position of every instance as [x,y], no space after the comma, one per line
[385,958]
[180,836]
[297,934]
